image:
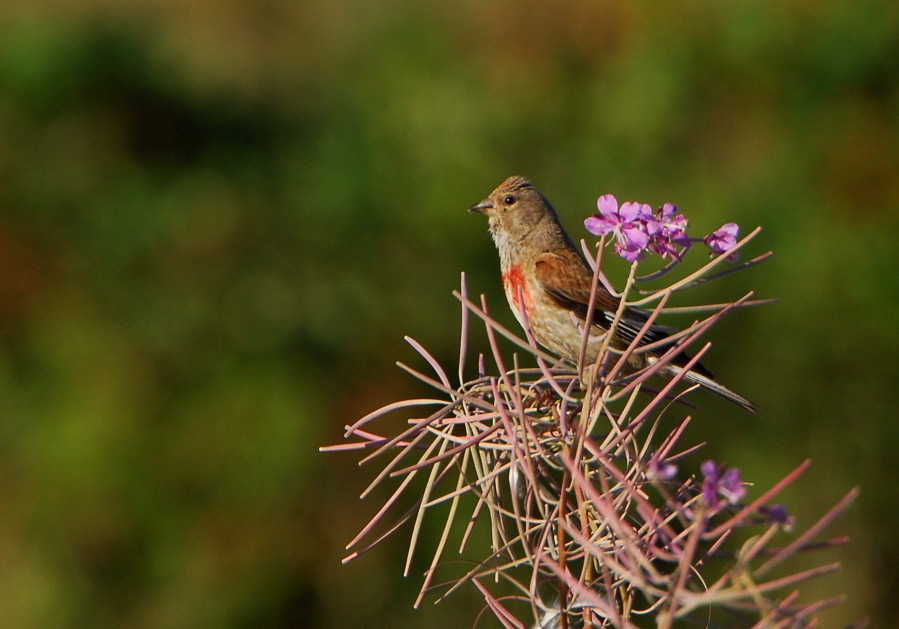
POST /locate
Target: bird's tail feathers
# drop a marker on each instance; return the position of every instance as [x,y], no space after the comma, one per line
[715,387]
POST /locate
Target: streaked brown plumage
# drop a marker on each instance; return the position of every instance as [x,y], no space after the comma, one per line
[541,265]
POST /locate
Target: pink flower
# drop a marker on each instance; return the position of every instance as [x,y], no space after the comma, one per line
[668,230]
[721,481]
[627,224]
[723,239]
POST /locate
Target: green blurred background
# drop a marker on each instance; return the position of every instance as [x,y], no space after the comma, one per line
[218,220]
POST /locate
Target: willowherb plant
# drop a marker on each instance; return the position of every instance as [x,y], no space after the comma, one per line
[576,473]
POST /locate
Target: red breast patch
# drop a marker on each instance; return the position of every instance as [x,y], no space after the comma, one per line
[513,281]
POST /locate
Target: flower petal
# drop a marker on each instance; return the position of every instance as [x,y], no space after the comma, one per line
[599,225]
[632,211]
[607,205]
[723,239]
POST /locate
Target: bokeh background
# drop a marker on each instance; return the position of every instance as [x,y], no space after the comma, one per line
[219,219]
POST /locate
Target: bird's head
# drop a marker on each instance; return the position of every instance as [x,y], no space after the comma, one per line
[515,207]
[518,214]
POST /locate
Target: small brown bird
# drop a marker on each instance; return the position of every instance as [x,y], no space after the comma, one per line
[541,265]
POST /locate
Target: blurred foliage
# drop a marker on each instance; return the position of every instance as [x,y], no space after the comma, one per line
[219,219]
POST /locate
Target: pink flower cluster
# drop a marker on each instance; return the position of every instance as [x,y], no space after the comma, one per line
[637,230]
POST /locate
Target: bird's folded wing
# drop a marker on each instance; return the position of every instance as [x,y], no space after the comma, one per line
[567,279]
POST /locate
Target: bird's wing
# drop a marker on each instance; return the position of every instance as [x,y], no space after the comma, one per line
[567,279]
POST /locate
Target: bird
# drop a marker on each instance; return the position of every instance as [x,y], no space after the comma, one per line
[549,279]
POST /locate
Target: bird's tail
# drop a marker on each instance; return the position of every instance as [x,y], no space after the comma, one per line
[709,384]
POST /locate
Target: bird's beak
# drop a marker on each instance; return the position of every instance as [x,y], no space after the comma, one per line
[483,207]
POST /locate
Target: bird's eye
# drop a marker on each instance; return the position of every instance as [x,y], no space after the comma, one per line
[509,199]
